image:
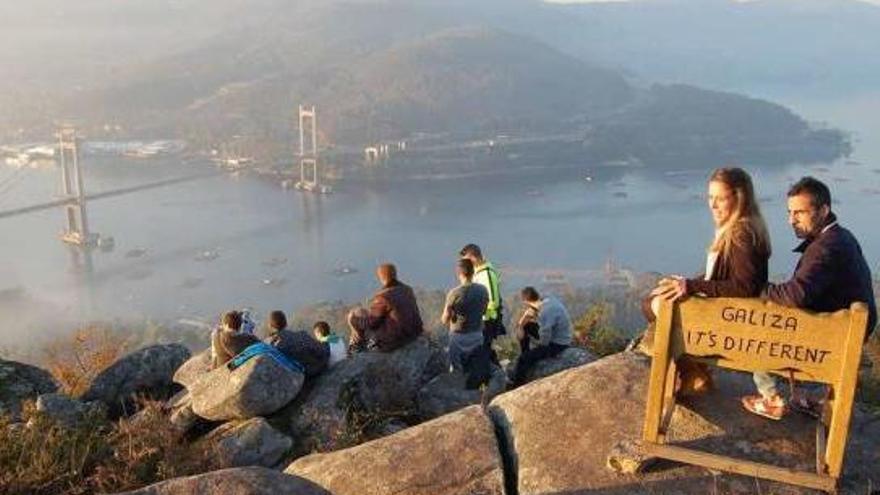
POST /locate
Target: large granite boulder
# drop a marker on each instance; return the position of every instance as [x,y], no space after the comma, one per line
[20,382]
[374,384]
[560,431]
[147,372]
[235,481]
[569,358]
[259,387]
[447,393]
[251,442]
[193,369]
[67,411]
[180,412]
[456,454]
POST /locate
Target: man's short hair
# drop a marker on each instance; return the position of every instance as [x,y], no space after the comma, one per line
[277,320]
[232,320]
[387,272]
[529,294]
[471,249]
[465,267]
[322,327]
[818,191]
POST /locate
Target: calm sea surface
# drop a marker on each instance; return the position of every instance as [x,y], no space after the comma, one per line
[645,221]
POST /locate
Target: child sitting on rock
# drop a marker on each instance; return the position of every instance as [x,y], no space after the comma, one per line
[228,340]
[338,349]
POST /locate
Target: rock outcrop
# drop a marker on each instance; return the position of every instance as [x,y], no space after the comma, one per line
[569,358]
[560,431]
[235,481]
[65,410]
[20,382]
[180,412]
[447,393]
[147,372]
[193,369]
[456,454]
[252,442]
[259,387]
[370,383]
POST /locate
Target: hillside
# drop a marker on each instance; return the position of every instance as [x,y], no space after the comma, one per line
[389,69]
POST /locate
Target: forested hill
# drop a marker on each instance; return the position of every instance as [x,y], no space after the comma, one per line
[386,70]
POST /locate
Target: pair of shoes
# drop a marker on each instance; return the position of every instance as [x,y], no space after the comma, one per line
[774,408]
[807,406]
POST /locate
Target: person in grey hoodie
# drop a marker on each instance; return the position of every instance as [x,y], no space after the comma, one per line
[545,320]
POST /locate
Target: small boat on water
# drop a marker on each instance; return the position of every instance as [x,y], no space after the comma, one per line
[276,261]
[207,255]
[192,282]
[135,253]
[274,282]
[344,270]
[140,274]
[620,194]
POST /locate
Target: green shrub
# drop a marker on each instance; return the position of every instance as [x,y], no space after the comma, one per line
[594,330]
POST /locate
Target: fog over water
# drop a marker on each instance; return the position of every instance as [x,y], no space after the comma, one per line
[525,225]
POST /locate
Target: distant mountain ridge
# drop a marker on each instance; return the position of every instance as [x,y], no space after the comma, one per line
[387,69]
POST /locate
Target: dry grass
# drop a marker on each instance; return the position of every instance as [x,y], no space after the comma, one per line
[77,359]
[47,458]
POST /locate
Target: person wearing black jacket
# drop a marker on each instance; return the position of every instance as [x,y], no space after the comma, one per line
[831,275]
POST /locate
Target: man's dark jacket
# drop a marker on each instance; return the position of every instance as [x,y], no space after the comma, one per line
[394,316]
[303,348]
[831,274]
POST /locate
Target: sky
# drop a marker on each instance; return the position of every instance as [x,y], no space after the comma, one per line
[875,2]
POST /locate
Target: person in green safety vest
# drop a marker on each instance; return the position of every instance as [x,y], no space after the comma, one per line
[486,275]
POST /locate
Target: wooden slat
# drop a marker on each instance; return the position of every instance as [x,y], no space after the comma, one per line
[659,365]
[746,468]
[845,389]
[668,399]
[821,445]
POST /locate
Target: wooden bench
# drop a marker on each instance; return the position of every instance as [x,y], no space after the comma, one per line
[755,335]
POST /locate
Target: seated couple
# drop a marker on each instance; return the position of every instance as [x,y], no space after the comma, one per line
[313,354]
[830,275]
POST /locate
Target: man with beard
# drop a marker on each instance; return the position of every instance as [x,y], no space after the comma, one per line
[831,275]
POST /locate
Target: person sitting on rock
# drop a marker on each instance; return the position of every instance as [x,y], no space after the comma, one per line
[392,320]
[228,340]
[545,320]
[463,312]
[334,343]
[298,345]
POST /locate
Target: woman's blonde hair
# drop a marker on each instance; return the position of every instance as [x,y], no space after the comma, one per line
[746,215]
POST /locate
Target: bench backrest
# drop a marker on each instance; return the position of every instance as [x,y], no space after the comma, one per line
[757,335]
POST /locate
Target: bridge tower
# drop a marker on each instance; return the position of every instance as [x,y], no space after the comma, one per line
[76,230]
[308,152]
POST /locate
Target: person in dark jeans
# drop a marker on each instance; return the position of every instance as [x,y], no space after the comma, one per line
[546,323]
[486,274]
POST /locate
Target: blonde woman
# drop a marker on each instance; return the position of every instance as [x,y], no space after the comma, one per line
[736,261]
